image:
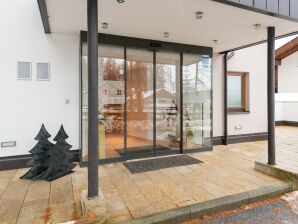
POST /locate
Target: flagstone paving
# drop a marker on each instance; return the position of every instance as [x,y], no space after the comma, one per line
[226,170]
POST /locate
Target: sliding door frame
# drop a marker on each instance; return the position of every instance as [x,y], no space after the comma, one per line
[153,46]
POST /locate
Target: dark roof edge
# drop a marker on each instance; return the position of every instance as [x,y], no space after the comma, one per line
[44,15]
[254,9]
[258,43]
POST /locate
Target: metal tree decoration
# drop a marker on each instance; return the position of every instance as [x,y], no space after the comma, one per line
[59,162]
[40,155]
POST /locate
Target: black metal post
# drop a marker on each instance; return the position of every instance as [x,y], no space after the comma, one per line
[225,140]
[271,95]
[125,101]
[181,104]
[154,102]
[92,14]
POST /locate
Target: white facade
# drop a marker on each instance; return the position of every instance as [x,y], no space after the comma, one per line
[26,104]
[288,74]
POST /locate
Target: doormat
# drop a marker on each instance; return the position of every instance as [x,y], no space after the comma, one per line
[141,150]
[160,163]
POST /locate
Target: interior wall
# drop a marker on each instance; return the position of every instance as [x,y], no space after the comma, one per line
[288,74]
[254,61]
[25,105]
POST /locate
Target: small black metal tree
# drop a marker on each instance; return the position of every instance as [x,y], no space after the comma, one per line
[59,162]
[40,155]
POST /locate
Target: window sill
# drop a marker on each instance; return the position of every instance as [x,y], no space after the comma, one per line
[238,112]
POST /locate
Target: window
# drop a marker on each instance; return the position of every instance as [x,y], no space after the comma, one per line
[43,71]
[237,91]
[24,70]
[119,92]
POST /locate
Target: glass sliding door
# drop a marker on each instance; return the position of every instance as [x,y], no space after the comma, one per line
[111,102]
[139,102]
[167,101]
[197,101]
[151,102]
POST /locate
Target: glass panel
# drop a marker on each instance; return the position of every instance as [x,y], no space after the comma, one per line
[197,125]
[167,101]
[111,101]
[24,70]
[43,71]
[234,91]
[139,101]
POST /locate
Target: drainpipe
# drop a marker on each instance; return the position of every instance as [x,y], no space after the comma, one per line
[271,95]
[225,89]
[92,14]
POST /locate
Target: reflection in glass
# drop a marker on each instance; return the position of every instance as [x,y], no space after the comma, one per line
[139,93]
[167,101]
[234,91]
[196,101]
[111,102]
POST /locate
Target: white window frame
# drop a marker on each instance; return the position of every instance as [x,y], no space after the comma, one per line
[49,74]
[25,79]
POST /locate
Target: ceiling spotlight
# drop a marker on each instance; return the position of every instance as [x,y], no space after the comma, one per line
[105,25]
[257,26]
[166,34]
[199,15]
[215,41]
[120,1]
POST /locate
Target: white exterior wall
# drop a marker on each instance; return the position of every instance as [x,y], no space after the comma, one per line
[288,74]
[254,61]
[25,105]
[218,96]
[286,107]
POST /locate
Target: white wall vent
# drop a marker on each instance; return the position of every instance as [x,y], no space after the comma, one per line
[24,70]
[43,71]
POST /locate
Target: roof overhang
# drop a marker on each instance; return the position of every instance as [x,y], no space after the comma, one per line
[233,27]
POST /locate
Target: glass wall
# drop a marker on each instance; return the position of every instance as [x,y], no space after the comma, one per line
[167,101]
[111,102]
[139,82]
[126,102]
[197,101]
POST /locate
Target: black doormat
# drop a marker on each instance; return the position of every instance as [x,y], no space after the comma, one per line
[160,163]
[141,150]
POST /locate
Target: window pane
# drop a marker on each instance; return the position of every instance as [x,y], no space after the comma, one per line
[197,110]
[235,91]
[42,71]
[110,101]
[167,101]
[139,110]
[24,70]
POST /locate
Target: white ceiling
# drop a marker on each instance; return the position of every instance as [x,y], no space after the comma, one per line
[231,26]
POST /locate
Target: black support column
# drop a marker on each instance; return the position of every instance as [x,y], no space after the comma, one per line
[225,69]
[92,39]
[271,95]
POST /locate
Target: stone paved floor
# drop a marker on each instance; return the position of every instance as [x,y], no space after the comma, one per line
[226,170]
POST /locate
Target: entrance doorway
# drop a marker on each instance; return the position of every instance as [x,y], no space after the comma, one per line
[152,101]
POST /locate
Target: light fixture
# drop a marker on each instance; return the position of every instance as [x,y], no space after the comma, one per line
[105,25]
[120,1]
[166,34]
[215,41]
[199,15]
[257,26]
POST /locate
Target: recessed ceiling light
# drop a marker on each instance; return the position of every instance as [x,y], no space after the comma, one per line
[105,25]
[166,34]
[257,26]
[120,1]
[199,15]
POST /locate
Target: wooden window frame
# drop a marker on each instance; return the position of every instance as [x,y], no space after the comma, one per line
[244,78]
